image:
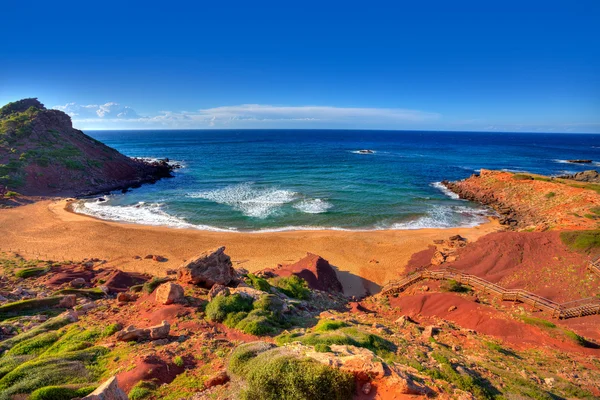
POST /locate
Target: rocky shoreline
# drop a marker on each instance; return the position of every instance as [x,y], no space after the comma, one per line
[532,202]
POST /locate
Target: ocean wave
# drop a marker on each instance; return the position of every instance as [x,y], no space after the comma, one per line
[313,206]
[250,200]
[445,190]
[140,213]
[446,217]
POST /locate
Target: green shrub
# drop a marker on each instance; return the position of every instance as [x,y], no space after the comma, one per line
[456,287]
[26,306]
[322,348]
[293,286]
[270,303]
[259,283]
[581,240]
[344,337]
[325,325]
[220,306]
[234,318]
[8,362]
[50,325]
[10,194]
[274,375]
[141,390]
[149,287]
[542,323]
[94,293]
[74,339]
[258,323]
[29,272]
[178,360]
[111,330]
[60,393]
[35,345]
[245,352]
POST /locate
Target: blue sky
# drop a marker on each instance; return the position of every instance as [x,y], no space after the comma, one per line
[460,65]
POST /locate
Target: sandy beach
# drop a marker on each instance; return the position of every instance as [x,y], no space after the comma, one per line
[364,259]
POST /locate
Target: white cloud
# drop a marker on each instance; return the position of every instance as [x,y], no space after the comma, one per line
[245,115]
[103,111]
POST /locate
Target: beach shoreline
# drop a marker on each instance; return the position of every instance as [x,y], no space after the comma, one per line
[365,260]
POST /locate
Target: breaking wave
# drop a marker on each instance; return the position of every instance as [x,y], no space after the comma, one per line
[313,206]
[445,190]
[446,217]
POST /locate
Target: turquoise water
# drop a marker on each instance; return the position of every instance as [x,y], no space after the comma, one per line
[250,180]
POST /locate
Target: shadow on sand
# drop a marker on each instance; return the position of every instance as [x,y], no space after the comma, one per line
[355,285]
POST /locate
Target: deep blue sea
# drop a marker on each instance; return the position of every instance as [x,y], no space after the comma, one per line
[251,180]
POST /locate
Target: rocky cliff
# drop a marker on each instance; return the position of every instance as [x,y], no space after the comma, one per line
[41,154]
[534,202]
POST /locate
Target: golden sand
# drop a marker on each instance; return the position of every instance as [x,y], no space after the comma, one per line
[364,259]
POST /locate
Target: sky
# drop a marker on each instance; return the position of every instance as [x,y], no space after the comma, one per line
[421,65]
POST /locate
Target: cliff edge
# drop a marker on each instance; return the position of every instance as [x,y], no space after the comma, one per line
[41,154]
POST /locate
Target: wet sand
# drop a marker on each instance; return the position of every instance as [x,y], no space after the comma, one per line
[364,259]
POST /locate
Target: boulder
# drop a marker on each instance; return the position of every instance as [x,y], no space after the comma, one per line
[218,290]
[248,292]
[124,297]
[360,362]
[69,301]
[109,390]
[438,258]
[169,293]
[429,331]
[131,333]
[77,282]
[209,268]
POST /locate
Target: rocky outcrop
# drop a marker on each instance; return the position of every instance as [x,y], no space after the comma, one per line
[109,390]
[315,270]
[49,157]
[590,176]
[530,201]
[580,161]
[209,268]
[131,333]
[169,293]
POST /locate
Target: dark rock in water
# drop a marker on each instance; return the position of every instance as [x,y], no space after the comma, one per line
[585,176]
[580,161]
[366,151]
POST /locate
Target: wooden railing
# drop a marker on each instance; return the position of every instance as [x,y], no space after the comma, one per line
[578,308]
[594,266]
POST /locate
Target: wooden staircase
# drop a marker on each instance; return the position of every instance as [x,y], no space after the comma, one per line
[572,309]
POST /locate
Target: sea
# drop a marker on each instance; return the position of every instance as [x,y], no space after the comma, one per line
[281,180]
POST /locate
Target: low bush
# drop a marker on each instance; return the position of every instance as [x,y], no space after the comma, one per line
[293,286]
[61,392]
[549,195]
[94,293]
[325,325]
[259,283]
[456,287]
[111,330]
[149,286]
[542,323]
[218,309]
[29,272]
[50,325]
[27,306]
[178,360]
[271,374]
[258,323]
[34,346]
[141,390]
[523,177]
[581,240]
[342,336]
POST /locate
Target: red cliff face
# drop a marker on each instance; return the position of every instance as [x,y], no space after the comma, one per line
[315,270]
[42,154]
[533,201]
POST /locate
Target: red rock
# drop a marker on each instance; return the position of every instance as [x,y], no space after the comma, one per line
[220,378]
[315,270]
[69,301]
[124,297]
[158,258]
[209,268]
[169,293]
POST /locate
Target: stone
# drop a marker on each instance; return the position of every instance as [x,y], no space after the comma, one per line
[131,333]
[452,308]
[160,331]
[425,288]
[549,382]
[77,283]
[158,258]
[84,308]
[69,301]
[429,331]
[366,389]
[109,390]
[218,290]
[438,258]
[248,292]
[169,293]
[207,269]
[361,362]
[124,297]
[220,378]
[403,320]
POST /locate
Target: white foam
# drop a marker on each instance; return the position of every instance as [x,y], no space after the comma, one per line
[250,200]
[445,190]
[140,213]
[313,206]
[370,152]
[445,217]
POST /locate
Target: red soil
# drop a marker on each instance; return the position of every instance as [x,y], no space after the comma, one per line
[481,318]
[119,281]
[149,368]
[534,261]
